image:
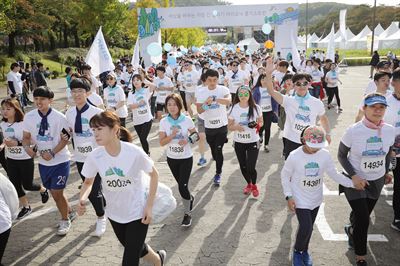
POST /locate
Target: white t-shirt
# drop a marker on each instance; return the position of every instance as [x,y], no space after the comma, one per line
[316,74]
[15,77]
[95,99]
[190,80]
[162,95]
[368,150]
[121,179]
[235,83]
[174,150]
[371,87]
[198,92]
[8,203]
[84,143]
[278,76]
[127,77]
[95,84]
[240,115]
[302,177]
[56,122]
[246,73]
[181,80]
[265,100]
[332,78]
[14,131]
[113,96]
[142,114]
[392,117]
[215,116]
[298,117]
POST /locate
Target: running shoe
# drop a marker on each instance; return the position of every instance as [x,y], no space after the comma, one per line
[396,225]
[187,220]
[24,212]
[361,263]
[72,215]
[64,227]
[261,139]
[307,260]
[266,149]
[247,189]
[191,207]
[45,196]
[202,162]
[347,230]
[101,224]
[297,258]
[255,191]
[217,180]
[163,255]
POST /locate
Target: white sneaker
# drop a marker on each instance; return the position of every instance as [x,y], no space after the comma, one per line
[101,224]
[64,227]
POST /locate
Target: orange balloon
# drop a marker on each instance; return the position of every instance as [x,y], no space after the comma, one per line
[269,44]
[238,50]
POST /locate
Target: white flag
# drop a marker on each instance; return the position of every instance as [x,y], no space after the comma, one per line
[342,24]
[99,57]
[330,51]
[135,58]
[295,53]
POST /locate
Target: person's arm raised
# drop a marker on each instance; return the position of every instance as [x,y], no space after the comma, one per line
[270,84]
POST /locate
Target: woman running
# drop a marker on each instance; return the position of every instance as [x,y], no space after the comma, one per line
[127,208]
[115,99]
[364,153]
[138,102]
[302,179]
[245,118]
[332,89]
[178,132]
[20,164]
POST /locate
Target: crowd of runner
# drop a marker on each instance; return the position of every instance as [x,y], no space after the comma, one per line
[198,101]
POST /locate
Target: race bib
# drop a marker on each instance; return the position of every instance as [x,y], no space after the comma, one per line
[162,93]
[116,183]
[310,183]
[84,148]
[298,127]
[243,136]
[17,150]
[141,111]
[266,108]
[372,164]
[214,122]
[44,148]
[175,150]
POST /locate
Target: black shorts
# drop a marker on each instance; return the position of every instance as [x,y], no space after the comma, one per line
[160,107]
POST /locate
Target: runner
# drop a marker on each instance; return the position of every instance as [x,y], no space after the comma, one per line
[332,89]
[245,117]
[78,118]
[178,132]
[316,75]
[302,179]
[191,79]
[213,102]
[364,153]
[164,88]
[138,102]
[47,128]
[200,123]
[122,180]
[392,117]
[114,97]
[235,78]
[301,109]
[20,164]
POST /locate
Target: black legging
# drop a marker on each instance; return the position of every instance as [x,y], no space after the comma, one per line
[267,117]
[20,173]
[3,242]
[333,92]
[143,131]
[359,219]
[181,170]
[216,139]
[306,220]
[96,196]
[247,154]
[396,190]
[183,96]
[132,236]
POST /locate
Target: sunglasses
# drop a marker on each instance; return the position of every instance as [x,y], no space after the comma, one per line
[110,78]
[245,94]
[299,84]
[234,65]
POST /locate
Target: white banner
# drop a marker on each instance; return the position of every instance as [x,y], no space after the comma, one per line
[330,51]
[98,57]
[136,58]
[342,23]
[295,53]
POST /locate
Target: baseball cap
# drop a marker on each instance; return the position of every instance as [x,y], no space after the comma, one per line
[375,98]
[383,64]
[314,137]
[112,74]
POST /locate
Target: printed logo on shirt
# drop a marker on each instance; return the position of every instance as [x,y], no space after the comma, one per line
[243,119]
[179,135]
[9,130]
[115,179]
[46,137]
[373,147]
[214,105]
[303,113]
[311,169]
[311,181]
[111,94]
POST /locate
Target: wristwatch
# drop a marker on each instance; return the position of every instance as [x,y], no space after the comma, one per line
[288,197]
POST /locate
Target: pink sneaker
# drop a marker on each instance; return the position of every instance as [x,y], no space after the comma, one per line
[247,189]
[255,191]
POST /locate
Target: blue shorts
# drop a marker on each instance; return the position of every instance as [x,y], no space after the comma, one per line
[55,176]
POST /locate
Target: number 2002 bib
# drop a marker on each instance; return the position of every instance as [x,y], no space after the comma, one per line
[116,183]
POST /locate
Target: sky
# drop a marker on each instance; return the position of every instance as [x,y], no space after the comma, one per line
[355,2]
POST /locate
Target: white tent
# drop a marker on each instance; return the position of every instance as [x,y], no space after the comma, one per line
[360,40]
[340,41]
[250,42]
[313,40]
[388,33]
[391,42]
[378,30]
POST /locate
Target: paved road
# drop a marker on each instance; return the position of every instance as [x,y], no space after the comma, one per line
[228,228]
